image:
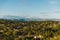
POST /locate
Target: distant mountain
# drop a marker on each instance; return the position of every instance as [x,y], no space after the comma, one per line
[18,18]
[21,18]
[12,17]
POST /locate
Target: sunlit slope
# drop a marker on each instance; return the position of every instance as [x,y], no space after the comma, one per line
[30,30]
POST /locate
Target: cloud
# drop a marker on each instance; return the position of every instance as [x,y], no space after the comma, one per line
[53,2]
[50,14]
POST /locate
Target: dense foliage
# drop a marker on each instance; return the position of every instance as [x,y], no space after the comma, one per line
[31,30]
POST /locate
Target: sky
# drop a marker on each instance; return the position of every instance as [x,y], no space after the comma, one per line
[30,8]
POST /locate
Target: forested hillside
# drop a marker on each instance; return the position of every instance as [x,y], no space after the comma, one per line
[30,30]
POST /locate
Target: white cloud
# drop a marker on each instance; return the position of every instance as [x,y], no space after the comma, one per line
[53,2]
[50,14]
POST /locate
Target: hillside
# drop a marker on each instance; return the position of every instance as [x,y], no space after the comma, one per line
[30,30]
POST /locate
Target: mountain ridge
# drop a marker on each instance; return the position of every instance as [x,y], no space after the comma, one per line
[27,18]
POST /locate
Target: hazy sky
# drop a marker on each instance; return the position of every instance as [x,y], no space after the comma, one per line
[31,8]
